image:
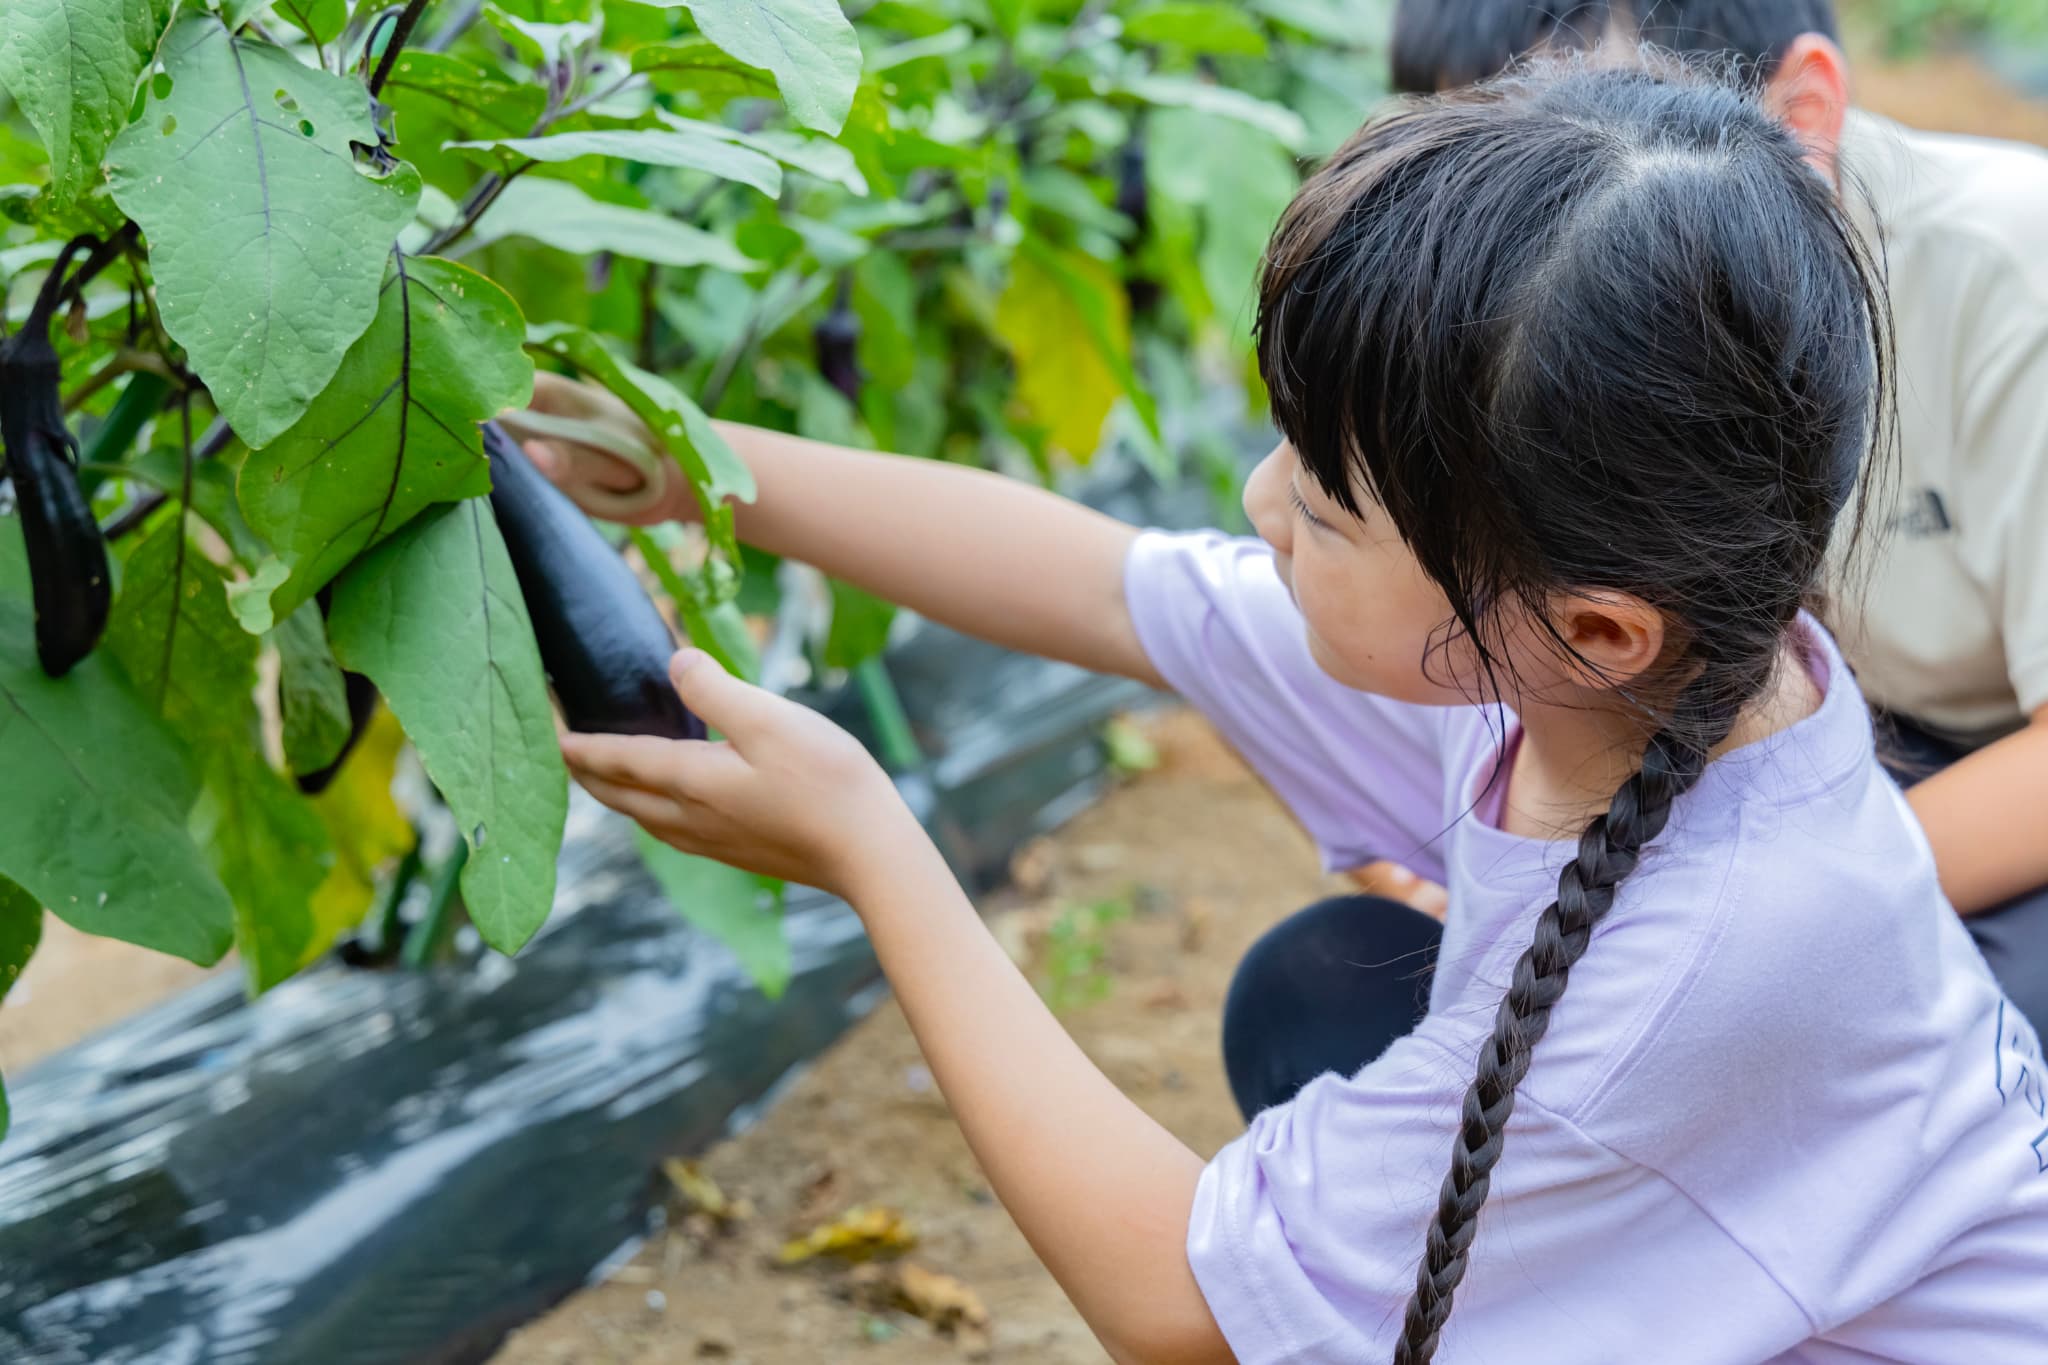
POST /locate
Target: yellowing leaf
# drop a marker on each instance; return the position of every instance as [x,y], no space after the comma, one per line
[1066,322]
[699,1193]
[367,827]
[860,1234]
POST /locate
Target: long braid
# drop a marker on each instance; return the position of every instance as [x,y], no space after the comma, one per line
[1609,850]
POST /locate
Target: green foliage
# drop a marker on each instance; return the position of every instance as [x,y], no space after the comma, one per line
[21,928]
[740,910]
[1910,26]
[1003,232]
[434,618]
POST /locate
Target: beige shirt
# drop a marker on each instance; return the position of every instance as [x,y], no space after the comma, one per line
[1951,623]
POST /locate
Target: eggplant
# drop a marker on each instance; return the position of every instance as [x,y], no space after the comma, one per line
[67,556]
[837,341]
[603,643]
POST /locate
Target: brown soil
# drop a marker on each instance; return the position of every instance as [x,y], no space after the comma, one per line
[1206,860]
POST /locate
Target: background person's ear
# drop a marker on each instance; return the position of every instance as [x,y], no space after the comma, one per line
[1810,93]
[1613,638]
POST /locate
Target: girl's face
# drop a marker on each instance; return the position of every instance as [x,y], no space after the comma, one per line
[1372,613]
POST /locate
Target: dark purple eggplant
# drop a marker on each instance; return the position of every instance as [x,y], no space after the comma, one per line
[67,557]
[837,339]
[603,643]
[1133,196]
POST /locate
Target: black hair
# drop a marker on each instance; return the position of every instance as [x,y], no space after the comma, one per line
[1443,44]
[1581,330]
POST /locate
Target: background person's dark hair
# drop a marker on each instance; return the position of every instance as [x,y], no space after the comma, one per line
[1443,44]
[1581,330]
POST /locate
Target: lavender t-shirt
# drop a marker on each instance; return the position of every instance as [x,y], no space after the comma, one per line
[1783,1113]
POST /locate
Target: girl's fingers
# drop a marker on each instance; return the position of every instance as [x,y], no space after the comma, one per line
[690,768]
[650,809]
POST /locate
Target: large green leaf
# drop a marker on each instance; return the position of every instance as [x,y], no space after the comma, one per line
[271,848]
[807,44]
[740,910]
[434,618]
[701,67]
[684,148]
[714,469]
[72,66]
[178,642]
[1185,92]
[311,696]
[96,796]
[21,928]
[562,216]
[1238,180]
[394,433]
[320,20]
[267,239]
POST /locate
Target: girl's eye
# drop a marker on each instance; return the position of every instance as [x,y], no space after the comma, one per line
[1301,508]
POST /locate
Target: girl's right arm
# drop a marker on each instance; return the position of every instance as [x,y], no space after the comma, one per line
[983,554]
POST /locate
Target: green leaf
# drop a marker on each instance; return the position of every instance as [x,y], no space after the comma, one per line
[1053,298]
[1012,15]
[807,44]
[394,433]
[434,617]
[740,910]
[213,494]
[815,156]
[699,65]
[266,239]
[860,626]
[21,928]
[1196,26]
[96,796]
[467,95]
[195,667]
[311,696]
[718,627]
[539,43]
[1187,152]
[72,66]
[271,848]
[649,147]
[1346,23]
[320,20]
[714,470]
[1185,92]
[560,215]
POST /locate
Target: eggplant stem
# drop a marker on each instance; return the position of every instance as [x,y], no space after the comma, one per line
[423,941]
[900,749]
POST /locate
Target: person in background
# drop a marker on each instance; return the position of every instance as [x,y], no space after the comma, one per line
[1948,629]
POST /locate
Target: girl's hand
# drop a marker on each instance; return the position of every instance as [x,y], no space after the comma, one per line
[604,482]
[786,794]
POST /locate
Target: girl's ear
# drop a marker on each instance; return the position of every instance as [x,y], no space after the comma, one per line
[1810,95]
[1613,638]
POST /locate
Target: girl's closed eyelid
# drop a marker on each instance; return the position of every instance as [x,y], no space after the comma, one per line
[1301,506]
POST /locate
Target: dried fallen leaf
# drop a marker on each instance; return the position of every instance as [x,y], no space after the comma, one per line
[945,1302]
[859,1234]
[700,1194]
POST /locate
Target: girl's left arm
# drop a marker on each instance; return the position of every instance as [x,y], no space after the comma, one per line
[1987,819]
[1101,1191]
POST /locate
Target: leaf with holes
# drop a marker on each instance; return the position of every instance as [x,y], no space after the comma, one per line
[434,617]
[96,796]
[715,472]
[267,240]
[72,66]
[393,434]
[194,666]
[683,148]
[807,44]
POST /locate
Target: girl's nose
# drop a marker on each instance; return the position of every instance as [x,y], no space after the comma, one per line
[1265,500]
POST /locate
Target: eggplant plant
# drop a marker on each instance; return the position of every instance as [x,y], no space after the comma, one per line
[270,269]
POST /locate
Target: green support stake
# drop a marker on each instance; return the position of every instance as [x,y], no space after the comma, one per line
[141,400]
[900,749]
[423,944]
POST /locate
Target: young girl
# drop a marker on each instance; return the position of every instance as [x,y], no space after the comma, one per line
[1574,373]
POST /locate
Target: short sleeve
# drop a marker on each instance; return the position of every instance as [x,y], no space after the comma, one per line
[1306,1234]
[1363,774]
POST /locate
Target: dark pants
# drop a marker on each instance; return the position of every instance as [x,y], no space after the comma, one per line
[1328,988]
